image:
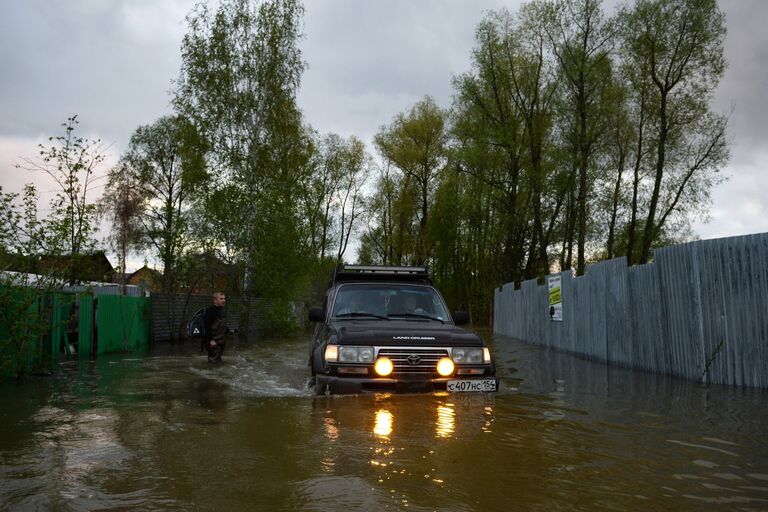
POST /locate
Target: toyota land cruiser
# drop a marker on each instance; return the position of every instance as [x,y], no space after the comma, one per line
[387,329]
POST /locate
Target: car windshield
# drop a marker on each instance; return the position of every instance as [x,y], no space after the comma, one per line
[389,301]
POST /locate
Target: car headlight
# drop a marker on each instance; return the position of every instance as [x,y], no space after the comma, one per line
[469,355]
[445,367]
[383,366]
[331,353]
[353,354]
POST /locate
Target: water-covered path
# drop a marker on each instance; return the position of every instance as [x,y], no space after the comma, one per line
[170,432]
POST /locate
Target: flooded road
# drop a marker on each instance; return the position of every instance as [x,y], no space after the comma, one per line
[170,432]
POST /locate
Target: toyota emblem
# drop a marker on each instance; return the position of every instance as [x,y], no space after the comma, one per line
[413,359]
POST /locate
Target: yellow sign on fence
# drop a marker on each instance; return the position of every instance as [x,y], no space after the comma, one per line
[555,299]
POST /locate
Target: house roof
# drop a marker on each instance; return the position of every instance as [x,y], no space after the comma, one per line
[94,266]
[147,270]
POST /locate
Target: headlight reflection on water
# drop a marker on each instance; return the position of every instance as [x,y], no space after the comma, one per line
[446,420]
[328,463]
[488,413]
[331,430]
[382,426]
[382,429]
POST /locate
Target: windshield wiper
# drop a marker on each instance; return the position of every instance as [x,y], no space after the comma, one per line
[416,315]
[360,313]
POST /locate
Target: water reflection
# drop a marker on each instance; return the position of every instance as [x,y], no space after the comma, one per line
[446,421]
[382,427]
[331,430]
[488,414]
[161,433]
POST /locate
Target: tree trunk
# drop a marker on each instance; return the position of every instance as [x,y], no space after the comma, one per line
[615,205]
[649,232]
[632,229]
[583,196]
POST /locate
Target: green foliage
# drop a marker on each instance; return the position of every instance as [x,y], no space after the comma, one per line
[333,202]
[121,205]
[38,254]
[320,272]
[673,51]
[24,320]
[391,237]
[25,285]
[279,319]
[241,67]
[72,162]
[467,246]
[574,137]
[150,191]
[581,40]
[415,144]
[503,127]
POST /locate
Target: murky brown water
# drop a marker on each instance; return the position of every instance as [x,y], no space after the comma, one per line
[168,432]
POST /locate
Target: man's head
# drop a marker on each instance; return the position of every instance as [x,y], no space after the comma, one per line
[219,299]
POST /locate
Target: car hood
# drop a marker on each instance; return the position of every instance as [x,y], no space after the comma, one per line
[395,332]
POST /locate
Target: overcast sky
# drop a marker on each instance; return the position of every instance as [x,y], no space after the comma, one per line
[112,63]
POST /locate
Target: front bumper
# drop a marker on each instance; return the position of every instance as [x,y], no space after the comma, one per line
[400,384]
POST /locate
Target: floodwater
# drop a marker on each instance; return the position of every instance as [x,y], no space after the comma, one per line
[169,432]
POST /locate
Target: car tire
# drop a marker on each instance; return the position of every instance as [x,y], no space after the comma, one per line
[321,385]
[317,363]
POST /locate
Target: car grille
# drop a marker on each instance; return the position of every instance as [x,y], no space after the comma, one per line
[413,360]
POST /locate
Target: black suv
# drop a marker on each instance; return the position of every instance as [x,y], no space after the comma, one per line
[386,329]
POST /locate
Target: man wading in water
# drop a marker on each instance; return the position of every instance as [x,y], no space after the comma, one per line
[215,327]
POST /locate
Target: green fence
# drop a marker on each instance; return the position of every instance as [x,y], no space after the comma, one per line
[122,323]
[85,327]
[62,305]
[35,326]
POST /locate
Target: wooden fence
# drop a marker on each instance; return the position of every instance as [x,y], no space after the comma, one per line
[699,311]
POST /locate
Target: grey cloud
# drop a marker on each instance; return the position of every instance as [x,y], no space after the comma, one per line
[745,84]
[112,63]
[85,58]
[370,60]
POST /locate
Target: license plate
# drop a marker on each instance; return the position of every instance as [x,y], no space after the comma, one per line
[458,386]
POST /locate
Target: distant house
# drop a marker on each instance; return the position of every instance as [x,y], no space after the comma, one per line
[200,274]
[84,267]
[146,278]
[87,267]
[210,274]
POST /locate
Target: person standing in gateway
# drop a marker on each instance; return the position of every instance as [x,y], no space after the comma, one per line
[216,328]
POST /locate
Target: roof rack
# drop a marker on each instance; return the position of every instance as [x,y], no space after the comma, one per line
[418,274]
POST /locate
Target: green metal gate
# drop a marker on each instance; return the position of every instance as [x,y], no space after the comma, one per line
[122,323]
[85,328]
[33,326]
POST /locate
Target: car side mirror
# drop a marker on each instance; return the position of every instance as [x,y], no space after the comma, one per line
[460,317]
[316,315]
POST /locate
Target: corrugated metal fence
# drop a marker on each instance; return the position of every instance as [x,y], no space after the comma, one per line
[700,311]
[106,289]
[122,323]
[45,326]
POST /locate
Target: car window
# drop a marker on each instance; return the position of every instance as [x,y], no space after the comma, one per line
[386,300]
